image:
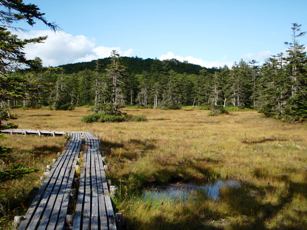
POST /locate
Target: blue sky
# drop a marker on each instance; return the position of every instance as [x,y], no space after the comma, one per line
[205,32]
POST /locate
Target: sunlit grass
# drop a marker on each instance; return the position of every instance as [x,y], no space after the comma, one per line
[268,156]
[33,154]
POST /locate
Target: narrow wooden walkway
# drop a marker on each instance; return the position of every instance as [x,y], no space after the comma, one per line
[33,132]
[94,208]
[91,208]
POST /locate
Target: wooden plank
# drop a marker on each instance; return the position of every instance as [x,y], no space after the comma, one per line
[87,198]
[53,173]
[56,218]
[39,195]
[54,186]
[67,190]
[94,208]
[6,131]
[33,132]
[110,212]
[103,221]
[95,201]
[77,221]
[53,202]
[108,202]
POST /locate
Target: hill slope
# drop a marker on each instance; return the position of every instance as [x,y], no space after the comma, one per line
[136,65]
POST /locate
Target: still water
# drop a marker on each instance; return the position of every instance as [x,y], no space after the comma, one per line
[182,191]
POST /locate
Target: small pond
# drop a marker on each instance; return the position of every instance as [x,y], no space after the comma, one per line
[182,191]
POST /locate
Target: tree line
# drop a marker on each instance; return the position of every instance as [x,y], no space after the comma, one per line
[277,88]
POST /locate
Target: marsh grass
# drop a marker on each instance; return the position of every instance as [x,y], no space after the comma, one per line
[191,146]
[22,162]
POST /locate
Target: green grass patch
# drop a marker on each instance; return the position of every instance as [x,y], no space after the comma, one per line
[9,126]
[16,171]
[102,117]
[197,107]
[236,109]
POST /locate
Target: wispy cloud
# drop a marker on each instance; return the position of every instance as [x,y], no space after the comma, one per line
[61,48]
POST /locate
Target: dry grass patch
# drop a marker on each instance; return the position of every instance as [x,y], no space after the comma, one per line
[22,163]
[190,146]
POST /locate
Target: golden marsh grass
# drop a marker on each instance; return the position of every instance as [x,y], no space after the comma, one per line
[268,156]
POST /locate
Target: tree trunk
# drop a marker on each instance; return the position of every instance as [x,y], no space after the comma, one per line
[155,101]
[254,90]
[131,97]
[194,100]
[96,94]
[145,97]
[216,95]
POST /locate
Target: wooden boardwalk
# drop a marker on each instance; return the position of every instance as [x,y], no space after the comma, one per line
[33,132]
[94,208]
[91,207]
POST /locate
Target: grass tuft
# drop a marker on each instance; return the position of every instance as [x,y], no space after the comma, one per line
[260,140]
[16,171]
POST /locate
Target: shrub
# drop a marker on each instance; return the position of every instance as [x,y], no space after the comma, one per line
[102,117]
[137,118]
[217,110]
[236,109]
[8,126]
[171,106]
[203,107]
[15,172]
[4,150]
[66,106]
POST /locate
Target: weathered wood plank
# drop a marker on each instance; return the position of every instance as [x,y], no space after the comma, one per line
[87,199]
[49,180]
[66,191]
[77,221]
[53,188]
[33,132]
[64,183]
[94,206]
[95,201]
[103,221]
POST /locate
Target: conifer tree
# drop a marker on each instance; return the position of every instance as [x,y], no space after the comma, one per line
[296,108]
[11,47]
[116,72]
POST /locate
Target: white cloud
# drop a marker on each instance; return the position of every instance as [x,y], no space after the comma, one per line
[198,61]
[61,48]
[258,56]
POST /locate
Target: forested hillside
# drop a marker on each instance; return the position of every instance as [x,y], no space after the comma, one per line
[277,88]
[136,65]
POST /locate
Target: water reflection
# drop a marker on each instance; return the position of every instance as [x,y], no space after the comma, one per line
[182,191]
